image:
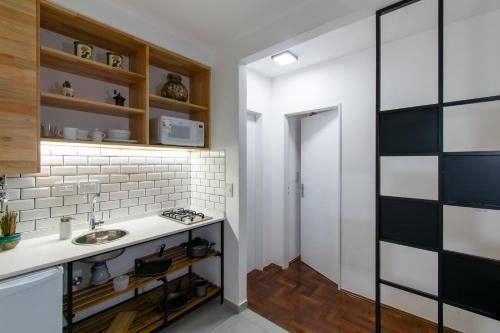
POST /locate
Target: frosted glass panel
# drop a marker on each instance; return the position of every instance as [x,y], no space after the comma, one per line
[468,322]
[408,266]
[409,56]
[417,305]
[471,49]
[409,176]
[472,231]
[472,127]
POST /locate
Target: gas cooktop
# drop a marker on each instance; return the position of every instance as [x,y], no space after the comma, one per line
[184,216]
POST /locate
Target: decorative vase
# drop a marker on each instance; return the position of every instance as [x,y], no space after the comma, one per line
[9,242]
[174,88]
[114,60]
[83,50]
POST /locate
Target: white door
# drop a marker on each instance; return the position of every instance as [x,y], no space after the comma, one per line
[320,203]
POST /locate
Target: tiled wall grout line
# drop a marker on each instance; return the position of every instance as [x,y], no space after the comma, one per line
[131,182]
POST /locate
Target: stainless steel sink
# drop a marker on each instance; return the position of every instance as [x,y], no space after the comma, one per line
[100,237]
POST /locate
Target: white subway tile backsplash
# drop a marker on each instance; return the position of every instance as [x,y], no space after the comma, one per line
[99,160]
[136,193]
[146,200]
[129,186]
[48,202]
[138,177]
[108,169]
[106,205]
[130,181]
[129,202]
[74,160]
[153,207]
[48,181]
[75,199]
[118,195]
[89,170]
[116,213]
[63,211]
[118,178]
[37,192]
[34,214]
[51,160]
[63,170]
[17,183]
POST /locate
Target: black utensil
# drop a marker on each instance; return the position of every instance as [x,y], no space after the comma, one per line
[176,300]
[153,267]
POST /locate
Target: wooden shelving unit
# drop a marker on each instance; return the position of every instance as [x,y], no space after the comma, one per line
[95,70]
[172,104]
[93,295]
[149,313]
[141,55]
[88,105]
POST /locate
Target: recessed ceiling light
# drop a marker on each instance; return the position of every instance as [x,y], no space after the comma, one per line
[285,58]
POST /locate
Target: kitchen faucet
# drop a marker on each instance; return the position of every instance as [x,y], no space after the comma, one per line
[93,223]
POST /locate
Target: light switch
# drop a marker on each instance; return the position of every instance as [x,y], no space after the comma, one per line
[229,190]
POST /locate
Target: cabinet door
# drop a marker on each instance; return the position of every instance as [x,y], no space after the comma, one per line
[19,92]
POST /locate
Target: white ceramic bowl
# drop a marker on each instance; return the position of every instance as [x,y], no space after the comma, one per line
[117,134]
[120,282]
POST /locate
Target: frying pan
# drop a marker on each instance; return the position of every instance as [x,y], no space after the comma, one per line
[156,266]
[176,300]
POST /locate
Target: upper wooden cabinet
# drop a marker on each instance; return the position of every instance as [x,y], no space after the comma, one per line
[19,92]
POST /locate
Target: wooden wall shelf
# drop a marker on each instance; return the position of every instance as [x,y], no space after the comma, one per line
[85,105]
[174,105]
[141,56]
[149,314]
[69,63]
[89,297]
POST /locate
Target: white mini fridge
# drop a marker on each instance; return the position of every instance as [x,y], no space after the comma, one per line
[32,303]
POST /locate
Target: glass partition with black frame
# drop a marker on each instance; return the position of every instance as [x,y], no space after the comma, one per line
[438,164]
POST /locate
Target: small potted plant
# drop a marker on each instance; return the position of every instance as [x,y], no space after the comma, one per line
[67,90]
[9,238]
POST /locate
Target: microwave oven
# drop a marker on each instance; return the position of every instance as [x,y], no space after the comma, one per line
[177,131]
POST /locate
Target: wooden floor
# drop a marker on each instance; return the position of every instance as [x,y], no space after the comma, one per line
[303,301]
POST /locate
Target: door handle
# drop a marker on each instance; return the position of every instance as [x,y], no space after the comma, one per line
[301,190]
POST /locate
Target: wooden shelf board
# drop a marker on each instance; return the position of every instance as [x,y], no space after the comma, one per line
[149,313]
[70,63]
[86,105]
[171,61]
[93,295]
[126,145]
[174,105]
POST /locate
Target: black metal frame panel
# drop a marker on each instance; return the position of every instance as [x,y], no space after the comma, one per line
[450,264]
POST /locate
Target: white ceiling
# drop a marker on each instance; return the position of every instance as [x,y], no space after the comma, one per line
[348,39]
[214,22]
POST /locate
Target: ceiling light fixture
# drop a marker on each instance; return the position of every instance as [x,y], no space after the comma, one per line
[285,58]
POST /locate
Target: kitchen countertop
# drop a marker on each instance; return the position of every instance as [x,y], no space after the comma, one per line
[42,252]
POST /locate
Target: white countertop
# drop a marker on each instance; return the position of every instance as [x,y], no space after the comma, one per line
[42,252]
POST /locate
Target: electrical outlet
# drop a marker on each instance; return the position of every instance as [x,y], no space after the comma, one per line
[64,189]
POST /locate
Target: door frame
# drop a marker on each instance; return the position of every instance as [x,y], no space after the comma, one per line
[287,180]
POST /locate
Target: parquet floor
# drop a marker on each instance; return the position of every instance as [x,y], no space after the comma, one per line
[303,301]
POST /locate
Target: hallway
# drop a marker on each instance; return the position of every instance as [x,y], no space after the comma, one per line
[302,301]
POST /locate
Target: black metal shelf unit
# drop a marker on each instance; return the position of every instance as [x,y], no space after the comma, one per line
[466,179]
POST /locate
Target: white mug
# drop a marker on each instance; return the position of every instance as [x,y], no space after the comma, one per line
[69,133]
[98,135]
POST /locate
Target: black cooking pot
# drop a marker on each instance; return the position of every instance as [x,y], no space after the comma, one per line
[197,247]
